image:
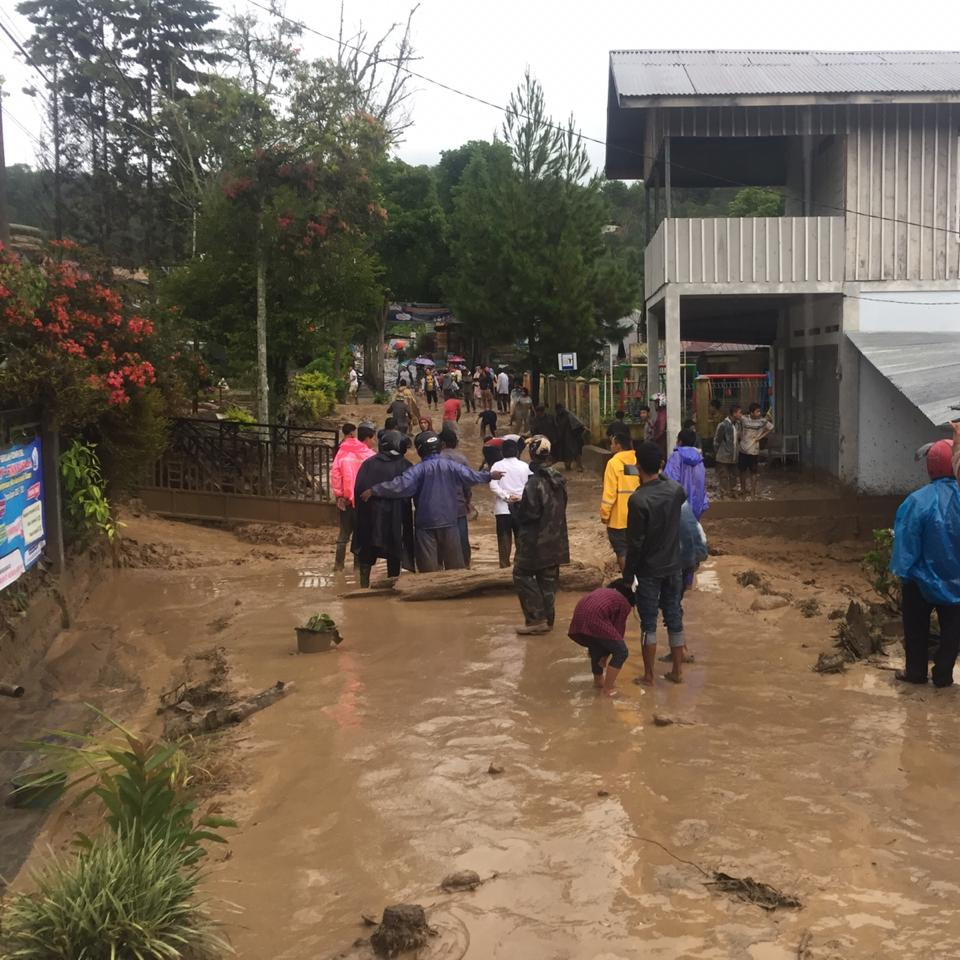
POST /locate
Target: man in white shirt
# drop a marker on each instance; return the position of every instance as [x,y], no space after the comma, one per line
[507,488]
[353,384]
[503,392]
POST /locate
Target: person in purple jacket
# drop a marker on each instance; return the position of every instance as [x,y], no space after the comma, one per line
[685,467]
[435,484]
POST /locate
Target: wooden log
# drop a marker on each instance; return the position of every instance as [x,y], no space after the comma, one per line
[224,716]
[448,584]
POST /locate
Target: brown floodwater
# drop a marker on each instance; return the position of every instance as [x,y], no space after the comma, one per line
[370,783]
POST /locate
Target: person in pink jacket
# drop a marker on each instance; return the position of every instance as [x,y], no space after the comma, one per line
[353,450]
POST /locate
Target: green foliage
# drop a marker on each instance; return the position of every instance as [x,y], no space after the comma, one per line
[322,364]
[320,621]
[237,414]
[756,202]
[877,565]
[87,508]
[380,398]
[312,396]
[120,898]
[130,439]
[529,263]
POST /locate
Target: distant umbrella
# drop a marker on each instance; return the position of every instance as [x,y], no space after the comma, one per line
[424,362]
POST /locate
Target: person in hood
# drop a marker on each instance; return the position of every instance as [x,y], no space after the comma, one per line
[399,411]
[384,528]
[620,479]
[542,544]
[570,436]
[926,558]
[351,453]
[434,483]
[686,467]
[599,624]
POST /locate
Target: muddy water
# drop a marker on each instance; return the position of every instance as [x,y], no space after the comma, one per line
[370,783]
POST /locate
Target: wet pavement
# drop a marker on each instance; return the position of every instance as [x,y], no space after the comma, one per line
[369,783]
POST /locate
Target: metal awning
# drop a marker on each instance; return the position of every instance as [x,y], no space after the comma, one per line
[924,367]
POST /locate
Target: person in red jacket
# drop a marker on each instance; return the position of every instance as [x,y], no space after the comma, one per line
[353,450]
[599,624]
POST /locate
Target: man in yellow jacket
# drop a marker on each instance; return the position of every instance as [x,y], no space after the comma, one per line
[620,479]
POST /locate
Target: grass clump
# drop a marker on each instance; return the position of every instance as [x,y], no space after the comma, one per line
[120,899]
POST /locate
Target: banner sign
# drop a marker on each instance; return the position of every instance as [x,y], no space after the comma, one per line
[567,362]
[22,533]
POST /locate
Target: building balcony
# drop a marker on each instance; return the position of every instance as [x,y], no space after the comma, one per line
[747,255]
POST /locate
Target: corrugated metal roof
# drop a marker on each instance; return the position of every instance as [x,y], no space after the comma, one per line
[653,73]
[924,367]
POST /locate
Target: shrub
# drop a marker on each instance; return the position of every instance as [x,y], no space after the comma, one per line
[87,508]
[130,438]
[312,396]
[237,414]
[877,565]
[381,398]
[121,898]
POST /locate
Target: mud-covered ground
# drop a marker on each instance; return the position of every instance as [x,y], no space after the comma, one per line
[370,783]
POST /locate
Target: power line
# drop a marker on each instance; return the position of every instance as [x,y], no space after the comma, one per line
[26,55]
[32,136]
[603,143]
[910,303]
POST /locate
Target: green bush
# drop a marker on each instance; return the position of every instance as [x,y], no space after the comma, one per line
[120,899]
[877,565]
[312,396]
[86,506]
[381,398]
[237,414]
[131,438]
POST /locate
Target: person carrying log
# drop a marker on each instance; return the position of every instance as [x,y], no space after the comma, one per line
[384,528]
[542,544]
[434,483]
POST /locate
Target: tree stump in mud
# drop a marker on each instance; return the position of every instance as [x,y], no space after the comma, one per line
[403,927]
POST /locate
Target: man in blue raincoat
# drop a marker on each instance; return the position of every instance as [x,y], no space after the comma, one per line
[926,558]
[435,484]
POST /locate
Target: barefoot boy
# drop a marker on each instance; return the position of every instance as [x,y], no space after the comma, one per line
[599,623]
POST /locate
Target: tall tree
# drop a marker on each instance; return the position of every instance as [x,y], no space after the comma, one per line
[529,263]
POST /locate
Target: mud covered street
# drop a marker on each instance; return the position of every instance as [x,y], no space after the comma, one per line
[369,784]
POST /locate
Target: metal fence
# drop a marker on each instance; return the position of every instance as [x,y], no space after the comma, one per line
[255,459]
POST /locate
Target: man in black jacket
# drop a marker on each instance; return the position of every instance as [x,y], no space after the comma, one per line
[541,518]
[653,557]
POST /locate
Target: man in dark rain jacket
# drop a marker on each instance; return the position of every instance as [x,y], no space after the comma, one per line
[384,528]
[542,545]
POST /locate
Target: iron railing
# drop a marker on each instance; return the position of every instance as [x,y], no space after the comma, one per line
[255,459]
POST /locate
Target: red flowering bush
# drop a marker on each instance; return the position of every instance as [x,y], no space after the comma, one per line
[67,339]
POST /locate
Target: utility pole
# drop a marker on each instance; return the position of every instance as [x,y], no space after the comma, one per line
[4,219]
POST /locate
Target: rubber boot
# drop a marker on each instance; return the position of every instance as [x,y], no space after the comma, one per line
[341,556]
[364,575]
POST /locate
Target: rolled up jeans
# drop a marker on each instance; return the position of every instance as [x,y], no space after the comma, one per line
[656,594]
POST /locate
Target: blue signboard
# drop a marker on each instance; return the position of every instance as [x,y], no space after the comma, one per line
[22,531]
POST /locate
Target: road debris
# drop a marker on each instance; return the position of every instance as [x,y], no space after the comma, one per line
[403,927]
[753,891]
[461,880]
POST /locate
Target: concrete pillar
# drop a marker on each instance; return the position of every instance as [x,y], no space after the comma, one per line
[674,372]
[653,354]
[594,408]
[848,393]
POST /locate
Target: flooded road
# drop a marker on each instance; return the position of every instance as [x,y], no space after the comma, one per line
[370,782]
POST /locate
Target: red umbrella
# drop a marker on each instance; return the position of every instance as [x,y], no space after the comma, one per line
[456,360]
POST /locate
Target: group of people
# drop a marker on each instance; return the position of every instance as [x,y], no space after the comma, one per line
[652,510]
[736,445]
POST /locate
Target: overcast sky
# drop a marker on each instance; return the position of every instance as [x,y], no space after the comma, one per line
[483,46]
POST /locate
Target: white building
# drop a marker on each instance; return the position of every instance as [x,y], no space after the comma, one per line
[857,287]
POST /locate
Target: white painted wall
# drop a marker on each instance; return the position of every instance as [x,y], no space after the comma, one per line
[891,430]
[928,311]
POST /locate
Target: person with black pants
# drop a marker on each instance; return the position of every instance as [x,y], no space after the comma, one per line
[927,561]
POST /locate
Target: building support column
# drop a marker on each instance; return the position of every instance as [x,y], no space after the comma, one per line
[848,393]
[668,176]
[653,355]
[674,372]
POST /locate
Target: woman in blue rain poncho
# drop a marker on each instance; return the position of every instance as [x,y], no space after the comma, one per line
[926,558]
